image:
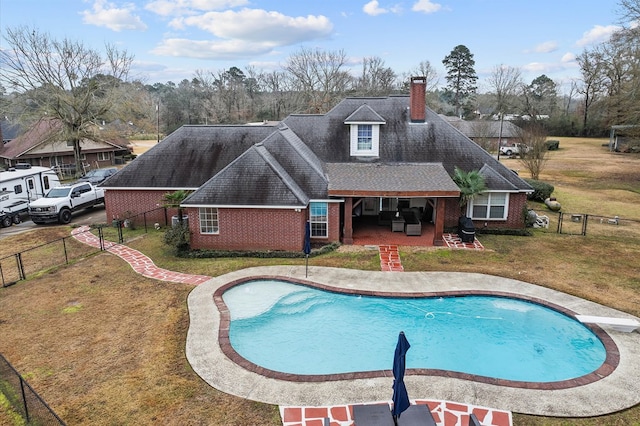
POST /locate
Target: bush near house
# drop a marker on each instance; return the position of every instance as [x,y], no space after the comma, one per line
[541,190]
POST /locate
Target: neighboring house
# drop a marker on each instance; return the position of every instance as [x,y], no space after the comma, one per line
[41,145]
[487,132]
[255,187]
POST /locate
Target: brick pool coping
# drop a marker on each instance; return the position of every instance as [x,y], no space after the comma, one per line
[610,363]
[613,387]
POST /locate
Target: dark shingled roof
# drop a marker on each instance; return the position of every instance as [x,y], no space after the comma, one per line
[307,157]
[188,157]
[254,179]
[364,114]
[429,179]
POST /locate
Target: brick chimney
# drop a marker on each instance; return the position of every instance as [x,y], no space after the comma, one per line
[417,100]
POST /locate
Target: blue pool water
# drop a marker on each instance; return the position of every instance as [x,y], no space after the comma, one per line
[296,329]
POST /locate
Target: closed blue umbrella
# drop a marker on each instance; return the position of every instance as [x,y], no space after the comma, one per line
[307,246]
[400,396]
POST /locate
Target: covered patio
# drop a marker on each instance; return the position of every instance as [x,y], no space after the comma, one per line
[367,231]
[377,195]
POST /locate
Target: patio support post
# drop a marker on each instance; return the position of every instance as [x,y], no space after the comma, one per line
[439,223]
[348,221]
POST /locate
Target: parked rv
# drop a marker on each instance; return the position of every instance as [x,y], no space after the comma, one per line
[21,185]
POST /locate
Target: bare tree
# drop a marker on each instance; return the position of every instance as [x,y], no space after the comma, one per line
[277,91]
[376,79]
[320,76]
[68,80]
[535,156]
[591,69]
[505,82]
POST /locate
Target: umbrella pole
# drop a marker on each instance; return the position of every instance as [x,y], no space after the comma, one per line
[306,269]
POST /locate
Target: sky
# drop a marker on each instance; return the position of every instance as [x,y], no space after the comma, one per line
[172,39]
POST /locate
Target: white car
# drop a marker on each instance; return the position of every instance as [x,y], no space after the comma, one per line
[514,149]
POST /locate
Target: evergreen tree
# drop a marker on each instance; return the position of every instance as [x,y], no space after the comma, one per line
[461,76]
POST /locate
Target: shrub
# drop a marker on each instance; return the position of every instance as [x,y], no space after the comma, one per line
[541,190]
[266,254]
[177,237]
[552,145]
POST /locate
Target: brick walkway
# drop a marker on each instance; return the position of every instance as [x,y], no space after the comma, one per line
[453,241]
[138,261]
[390,258]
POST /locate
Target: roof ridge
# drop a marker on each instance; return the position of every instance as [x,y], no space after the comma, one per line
[281,172]
[303,150]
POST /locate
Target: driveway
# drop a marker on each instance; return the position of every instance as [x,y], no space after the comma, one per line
[83,217]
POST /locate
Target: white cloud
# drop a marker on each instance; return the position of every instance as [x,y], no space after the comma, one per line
[260,26]
[426,6]
[105,14]
[373,8]
[597,34]
[211,49]
[568,57]
[546,47]
[187,7]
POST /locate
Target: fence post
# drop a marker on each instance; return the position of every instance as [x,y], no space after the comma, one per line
[24,399]
[559,230]
[64,247]
[584,225]
[101,238]
[144,217]
[2,275]
[20,266]
[120,237]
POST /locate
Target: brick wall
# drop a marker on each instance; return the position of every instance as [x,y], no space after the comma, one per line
[120,204]
[517,202]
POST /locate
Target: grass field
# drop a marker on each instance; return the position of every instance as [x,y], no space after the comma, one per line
[105,346]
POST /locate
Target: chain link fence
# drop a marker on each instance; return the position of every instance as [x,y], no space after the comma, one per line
[23,398]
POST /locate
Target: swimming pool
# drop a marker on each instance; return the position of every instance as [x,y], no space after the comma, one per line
[296,329]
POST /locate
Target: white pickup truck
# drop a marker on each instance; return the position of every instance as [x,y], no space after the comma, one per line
[61,201]
[514,149]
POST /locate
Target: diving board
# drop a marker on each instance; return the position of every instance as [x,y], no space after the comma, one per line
[619,324]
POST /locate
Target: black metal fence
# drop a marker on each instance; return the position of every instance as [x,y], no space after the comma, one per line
[20,266]
[23,398]
[155,219]
[591,224]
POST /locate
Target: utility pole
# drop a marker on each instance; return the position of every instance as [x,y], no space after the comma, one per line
[158,120]
[500,135]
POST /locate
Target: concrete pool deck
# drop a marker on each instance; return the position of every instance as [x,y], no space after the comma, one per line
[614,392]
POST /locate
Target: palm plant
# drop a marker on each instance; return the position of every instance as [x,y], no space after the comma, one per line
[174,199]
[471,183]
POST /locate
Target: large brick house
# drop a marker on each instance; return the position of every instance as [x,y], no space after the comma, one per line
[256,186]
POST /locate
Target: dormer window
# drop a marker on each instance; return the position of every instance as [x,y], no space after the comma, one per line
[365,132]
[365,140]
[365,137]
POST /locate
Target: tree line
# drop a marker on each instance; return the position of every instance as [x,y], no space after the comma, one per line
[88,89]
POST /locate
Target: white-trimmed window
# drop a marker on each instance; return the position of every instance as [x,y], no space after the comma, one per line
[365,139]
[209,220]
[104,156]
[490,205]
[318,219]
